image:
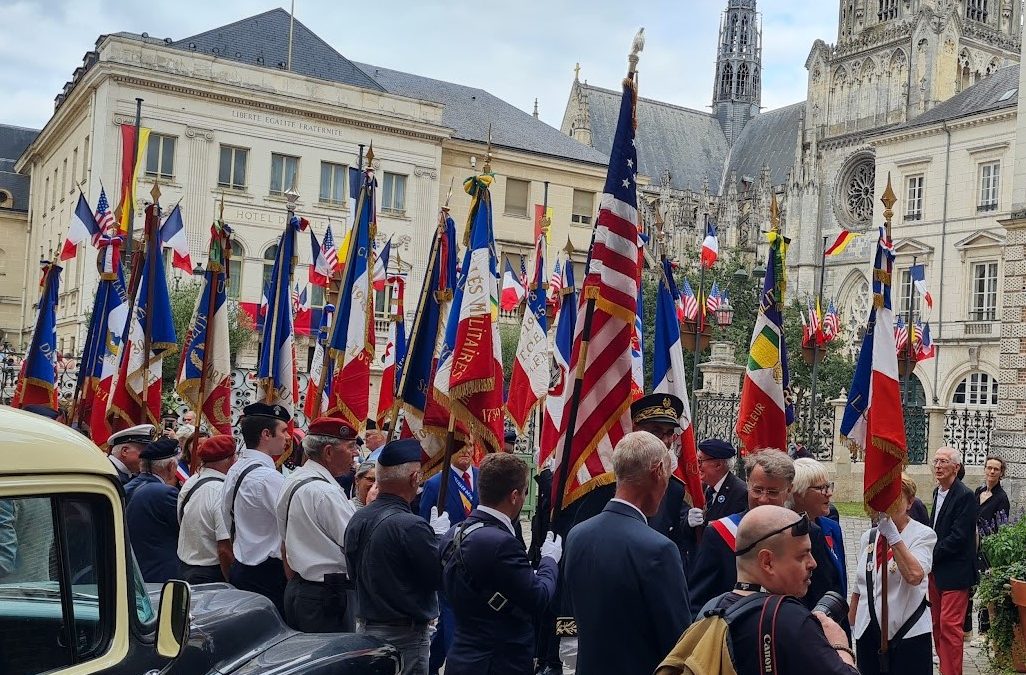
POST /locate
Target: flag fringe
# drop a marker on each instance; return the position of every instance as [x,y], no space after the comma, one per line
[471,388]
[592,446]
[522,428]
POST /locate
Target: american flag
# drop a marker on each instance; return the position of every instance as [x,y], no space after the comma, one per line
[712,303]
[689,302]
[815,329]
[556,286]
[523,272]
[330,251]
[104,218]
[900,333]
[832,321]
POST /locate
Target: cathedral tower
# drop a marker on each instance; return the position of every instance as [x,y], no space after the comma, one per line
[737,89]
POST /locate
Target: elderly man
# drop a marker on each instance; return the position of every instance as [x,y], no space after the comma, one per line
[125,447]
[204,549]
[725,493]
[313,512]
[616,557]
[954,558]
[152,512]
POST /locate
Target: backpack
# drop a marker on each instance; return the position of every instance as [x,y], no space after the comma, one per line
[705,647]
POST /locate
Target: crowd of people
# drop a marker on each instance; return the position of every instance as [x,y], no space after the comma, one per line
[352,538]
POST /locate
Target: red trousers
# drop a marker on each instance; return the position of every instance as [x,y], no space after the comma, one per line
[948,611]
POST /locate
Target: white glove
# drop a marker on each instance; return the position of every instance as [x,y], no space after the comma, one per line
[888,530]
[552,547]
[696,517]
[439,523]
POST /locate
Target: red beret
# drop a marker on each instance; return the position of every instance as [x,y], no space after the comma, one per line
[334,427]
[216,448]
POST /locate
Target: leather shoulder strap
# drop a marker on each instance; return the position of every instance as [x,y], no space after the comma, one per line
[188,495]
[288,505]
[235,495]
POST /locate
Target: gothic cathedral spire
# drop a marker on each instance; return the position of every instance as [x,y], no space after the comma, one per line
[737,89]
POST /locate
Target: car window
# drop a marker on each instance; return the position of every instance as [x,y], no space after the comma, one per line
[143,607]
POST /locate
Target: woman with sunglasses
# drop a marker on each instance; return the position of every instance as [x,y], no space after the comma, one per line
[908,562]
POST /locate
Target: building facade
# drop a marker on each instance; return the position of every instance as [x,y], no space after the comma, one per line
[15,262]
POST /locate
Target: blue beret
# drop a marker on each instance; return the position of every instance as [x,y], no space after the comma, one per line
[264,410]
[44,410]
[510,437]
[717,449]
[162,448]
[403,451]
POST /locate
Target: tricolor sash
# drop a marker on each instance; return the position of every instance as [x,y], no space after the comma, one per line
[466,494]
[727,528]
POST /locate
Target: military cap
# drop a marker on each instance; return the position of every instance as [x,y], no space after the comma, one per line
[717,449]
[141,434]
[402,451]
[39,409]
[333,427]
[264,410]
[162,448]
[657,408]
[216,448]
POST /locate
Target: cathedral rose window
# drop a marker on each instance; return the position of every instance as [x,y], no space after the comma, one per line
[853,198]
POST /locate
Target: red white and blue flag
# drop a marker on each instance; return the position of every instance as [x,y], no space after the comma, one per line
[107,297]
[688,307]
[172,235]
[395,352]
[927,349]
[104,218]
[712,303]
[317,400]
[552,421]
[918,275]
[710,246]
[381,266]
[37,382]
[556,287]
[513,291]
[900,334]
[111,332]
[82,228]
[530,379]
[325,257]
[831,322]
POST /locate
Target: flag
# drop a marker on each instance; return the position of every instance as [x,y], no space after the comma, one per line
[136,392]
[104,218]
[710,246]
[552,421]
[321,369]
[513,290]
[37,381]
[611,286]
[668,377]
[204,371]
[130,172]
[381,266]
[325,257]
[873,418]
[689,303]
[832,322]
[815,323]
[900,334]
[927,350]
[916,336]
[841,243]
[395,353]
[82,228]
[806,333]
[766,410]
[638,349]
[352,335]
[712,303]
[556,286]
[181,472]
[112,333]
[469,376]
[172,235]
[918,275]
[530,379]
[91,364]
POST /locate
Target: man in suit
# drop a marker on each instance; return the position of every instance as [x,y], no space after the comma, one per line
[954,558]
[494,593]
[617,555]
[125,447]
[725,493]
[152,512]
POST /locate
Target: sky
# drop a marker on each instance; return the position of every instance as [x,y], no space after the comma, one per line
[518,50]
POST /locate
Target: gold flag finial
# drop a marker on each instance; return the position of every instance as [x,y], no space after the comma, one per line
[370,156]
[888,199]
[220,212]
[488,153]
[774,214]
[569,248]
[155,192]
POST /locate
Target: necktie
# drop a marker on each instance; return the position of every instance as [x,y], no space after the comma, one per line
[466,480]
[709,494]
[466,502]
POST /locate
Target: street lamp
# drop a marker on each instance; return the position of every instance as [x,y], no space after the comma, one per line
[725,314]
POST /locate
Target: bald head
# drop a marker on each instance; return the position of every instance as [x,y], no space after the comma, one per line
[758,522]
[782,562]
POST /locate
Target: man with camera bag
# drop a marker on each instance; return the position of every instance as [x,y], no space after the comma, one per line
[767,629]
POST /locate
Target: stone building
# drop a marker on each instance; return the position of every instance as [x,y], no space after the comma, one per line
[16,268]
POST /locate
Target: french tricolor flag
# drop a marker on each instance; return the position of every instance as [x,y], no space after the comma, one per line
[513,290]
[83,228]
[710,246]
[172,235]
[381,266]
[319,271]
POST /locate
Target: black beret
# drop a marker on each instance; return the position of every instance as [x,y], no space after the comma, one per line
[511,437]
[402,451]
[39,409]
[657,408]
[162,448]
[371,425]
[264,410]
[717,449]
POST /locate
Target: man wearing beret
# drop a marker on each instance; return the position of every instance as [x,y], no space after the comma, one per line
[204,548]
[725,493]
[251,491]
[392,555]
[151,514]
[125,447]
[313,513]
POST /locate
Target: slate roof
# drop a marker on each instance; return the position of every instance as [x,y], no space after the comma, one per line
[689,143]
[769,139]
[13,142]
[468,111]
[983,97]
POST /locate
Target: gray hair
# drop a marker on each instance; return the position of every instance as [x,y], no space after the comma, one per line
[636,453]
[956,455]
[400,472]
[807,472]
[184,433]
[158,466]
[313,444]
[775,463]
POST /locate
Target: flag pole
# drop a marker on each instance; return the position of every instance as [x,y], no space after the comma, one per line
[291,197]
[152,235]
[815,346]
[130,202]
[888,199]
[89,359]
[908,340]
[699,327]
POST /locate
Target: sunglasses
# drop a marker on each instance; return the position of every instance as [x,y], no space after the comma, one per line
[798,529]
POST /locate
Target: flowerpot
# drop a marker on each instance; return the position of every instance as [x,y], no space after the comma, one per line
[1019,641]
[810,351]
[687,337]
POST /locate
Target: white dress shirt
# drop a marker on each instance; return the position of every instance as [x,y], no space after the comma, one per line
[941,496]
[202,523]
[119,465]
[624,501]
[499,516]
[902,598]
[315,533]
[256,525]
[469,472]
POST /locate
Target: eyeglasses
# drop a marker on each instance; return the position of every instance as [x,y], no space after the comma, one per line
[942,462]
[707,459]
[759,492]
[798,529]
[826,488]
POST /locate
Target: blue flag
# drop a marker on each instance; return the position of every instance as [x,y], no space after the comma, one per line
[36,386]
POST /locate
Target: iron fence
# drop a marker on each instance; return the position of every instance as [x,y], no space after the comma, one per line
[822,428]
[917,433]
[969,431]
[715,417]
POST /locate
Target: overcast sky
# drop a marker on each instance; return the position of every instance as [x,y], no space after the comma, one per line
[518,50]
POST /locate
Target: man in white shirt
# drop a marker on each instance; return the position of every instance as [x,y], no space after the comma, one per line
[125,447]
[312,513]
[204,548]
[251,491]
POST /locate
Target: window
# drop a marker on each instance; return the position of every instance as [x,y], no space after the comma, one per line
[908,295]
[888,10]
[584,207]
[284,173]
[85,158]
[393,193]
[235,271]
[333,183]
[269,256]
[46,192]
[516,197]
[74,168]
[383,303]
[990,184]
[64,178]
[231,170]
[976,10]
[160,156]
[983,294]
[914,198]
[977,389]
[53,195]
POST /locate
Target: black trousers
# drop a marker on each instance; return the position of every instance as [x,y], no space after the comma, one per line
[267,579]
[316,607]
[200,574]
[911,656]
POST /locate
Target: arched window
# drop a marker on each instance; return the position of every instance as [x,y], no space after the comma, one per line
[235,271]
[977,390]
[269,255]
[976,10]
[726,81]
[742,80]
[743,38]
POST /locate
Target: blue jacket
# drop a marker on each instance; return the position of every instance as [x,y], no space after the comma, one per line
[489,642]
[627,591]
[453,503]
[835,544]
[153,529]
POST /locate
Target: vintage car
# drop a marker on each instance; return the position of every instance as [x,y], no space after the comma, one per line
[72,599]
